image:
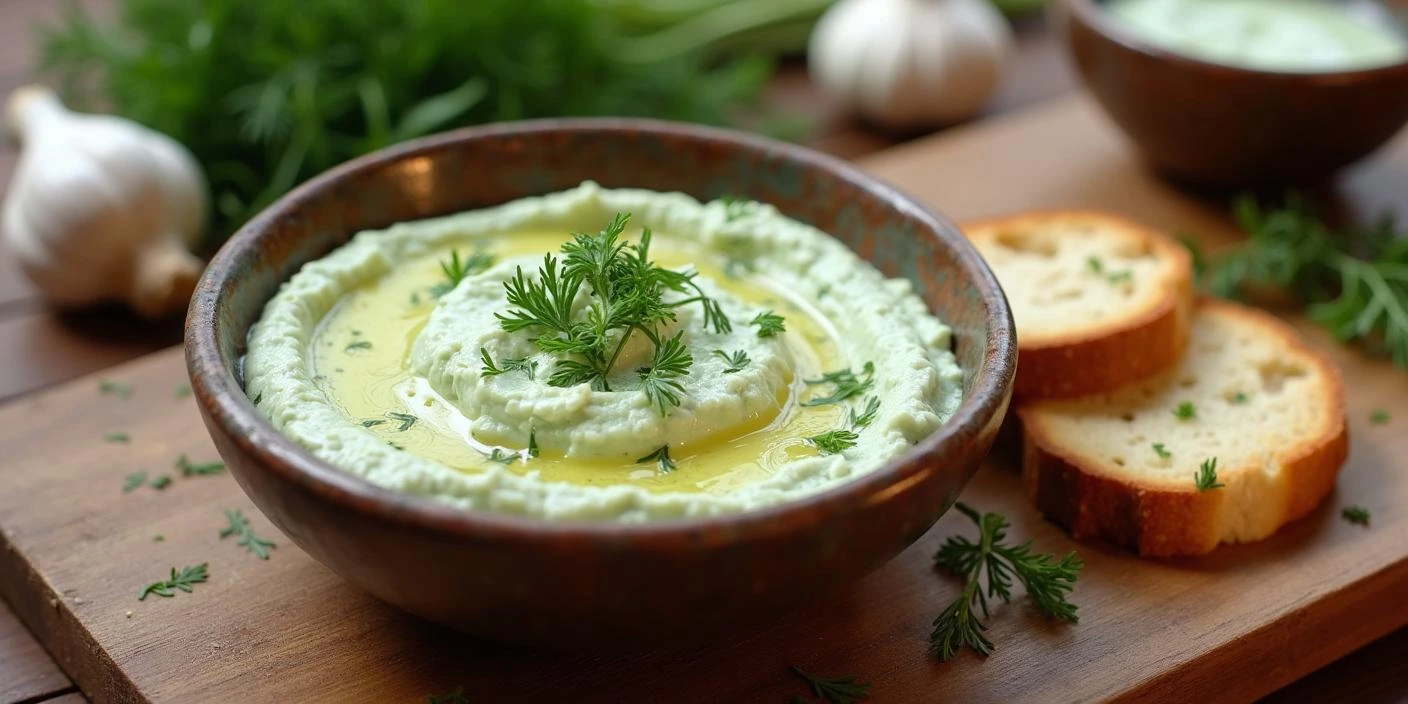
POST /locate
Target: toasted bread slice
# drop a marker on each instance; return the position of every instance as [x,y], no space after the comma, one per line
[1122,466]
[1099,301]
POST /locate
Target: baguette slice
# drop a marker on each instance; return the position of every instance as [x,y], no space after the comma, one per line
[1269,409]
[1099,301]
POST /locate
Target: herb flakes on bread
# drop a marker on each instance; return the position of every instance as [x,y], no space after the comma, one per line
[1099,301]
[1124,466]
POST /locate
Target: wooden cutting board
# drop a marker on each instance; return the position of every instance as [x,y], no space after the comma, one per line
[1234,625]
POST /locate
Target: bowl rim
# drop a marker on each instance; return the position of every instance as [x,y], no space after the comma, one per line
[1094,15]
[225,403]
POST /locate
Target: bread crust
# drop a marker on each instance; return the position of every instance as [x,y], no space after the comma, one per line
[1139,346]
[1096,501]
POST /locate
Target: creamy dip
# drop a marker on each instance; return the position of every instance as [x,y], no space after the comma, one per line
[370,359]
[1272,35]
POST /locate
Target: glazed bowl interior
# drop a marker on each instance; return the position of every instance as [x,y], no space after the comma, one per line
[430,558]
[1231,127]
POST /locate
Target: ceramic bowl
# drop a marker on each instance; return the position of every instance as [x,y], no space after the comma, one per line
[1229,127]
[564,583]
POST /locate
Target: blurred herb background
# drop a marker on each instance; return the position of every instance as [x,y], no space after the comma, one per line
[267,93]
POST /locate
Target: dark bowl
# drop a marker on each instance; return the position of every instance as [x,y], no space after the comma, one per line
[561,583]
[1229,127]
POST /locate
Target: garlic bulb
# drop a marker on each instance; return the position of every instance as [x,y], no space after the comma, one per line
[101,208]
[908,64]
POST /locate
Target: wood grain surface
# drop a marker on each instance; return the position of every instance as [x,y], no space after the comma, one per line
[1232,626]
[26,672]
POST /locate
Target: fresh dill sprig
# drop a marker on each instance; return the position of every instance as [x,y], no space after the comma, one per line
[627,298]
[734,361]
[134,481]
[1161,451]
[1048,582]
[456,697]
[526,365]
[120,438]
[846,382]
[456,269]
[834,442]
[660,456]
[1206,477]
[835,690]
[1186,411]
[1358,515]
[769,324]
[867,416]
[194,469]
[239,525]
[107,387]
[406,420]
[184,580]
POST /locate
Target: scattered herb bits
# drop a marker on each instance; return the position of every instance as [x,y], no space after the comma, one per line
[1048,582]
[845,384]
[160,483]
[734,362]
[358,345]
[834,442]
[867,416]
[835,690]
[501,456]
[239,526]
[456,697]
[373,422]
[183,391]
[1379,417]
[769,324]
[1358,515]
[134,482]
[1206,478]
[661,457]
[108,387]
[1161,451]
[184,580]
[198,469]
[117,438]
[529,367]
[1239,398]
[406,420]
[1186,411]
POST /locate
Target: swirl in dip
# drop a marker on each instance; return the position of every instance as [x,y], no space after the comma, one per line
[732,360]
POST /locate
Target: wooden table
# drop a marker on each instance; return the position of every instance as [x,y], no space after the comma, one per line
[39,347]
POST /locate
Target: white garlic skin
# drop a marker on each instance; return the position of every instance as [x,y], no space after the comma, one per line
[100,208]
[911,64]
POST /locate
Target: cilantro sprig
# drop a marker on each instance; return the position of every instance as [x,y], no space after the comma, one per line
[1048,582]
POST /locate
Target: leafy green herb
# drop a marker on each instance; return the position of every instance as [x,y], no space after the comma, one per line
[115,388]
[134,481]
[183,391]
[1206,478]
[866,417]
[160,483]
[835,690]
[415,298]
[456,269]
[370,422]
[184,580]
[192,469]
[456,697]
[628,299]
[735,361]
[406,420]
[121,438]
[1354,282]
[358,345]
[737,208]
[1240,398]
[533,442]
[1379,417]
[501,456]
[1161,451]
[1095,265]
[662,457]
[834,442]
[1120,277]
[1186,411]
[239,526]
[1358,515]
[158,538]
[769,324]
[518,364]
[267,94]
[846,384]
[1048,581]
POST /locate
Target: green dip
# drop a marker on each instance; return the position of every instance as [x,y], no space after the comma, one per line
[1272,35]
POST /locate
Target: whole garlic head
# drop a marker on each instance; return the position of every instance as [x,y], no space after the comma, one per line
[908,64]
[101,208]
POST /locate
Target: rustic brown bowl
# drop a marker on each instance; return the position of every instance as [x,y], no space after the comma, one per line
[576,582]
[1230,127]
